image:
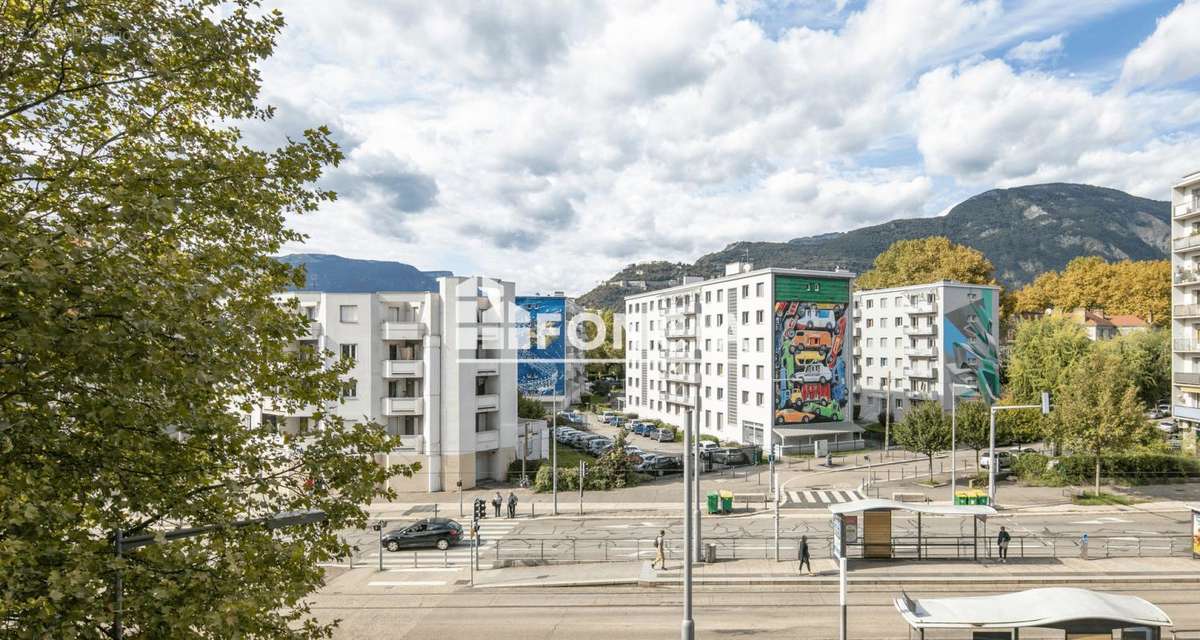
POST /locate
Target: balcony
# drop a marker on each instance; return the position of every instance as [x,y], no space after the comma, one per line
[1185,310]
[920,372]
[1187,378]
[914,394]
[403,368]
[489,368]
[403,330]
[674,331]
[923,307]
[921,352]
[312,332]
[1186,412]
[927,330]
[402,406]
[1187,210]
[487,402]
[683,355]
[491,336]
[1186,345]
[689,377]
[487,440]
[1187,243]
[681,398]
[1184,277]
[857,350]
[412,443]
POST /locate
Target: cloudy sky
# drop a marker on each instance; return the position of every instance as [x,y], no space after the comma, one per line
[553,142]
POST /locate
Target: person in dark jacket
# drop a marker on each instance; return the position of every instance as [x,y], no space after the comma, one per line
[512,505]
[1002,540]
[804,556]
[496,502]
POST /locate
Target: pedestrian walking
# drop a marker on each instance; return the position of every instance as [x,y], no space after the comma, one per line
[496,502]
[1002,542]
[512,505]
[803,555]
[660,544]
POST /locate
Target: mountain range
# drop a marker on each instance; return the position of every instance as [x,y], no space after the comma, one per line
[1024,231]
[335,274]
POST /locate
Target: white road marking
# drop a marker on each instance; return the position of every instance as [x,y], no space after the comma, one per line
[795,496]
[406,583]
[808,497]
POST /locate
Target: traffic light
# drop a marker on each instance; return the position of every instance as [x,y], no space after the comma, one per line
[480,509]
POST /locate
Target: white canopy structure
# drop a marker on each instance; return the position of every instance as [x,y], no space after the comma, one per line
[879,504]
[1071,609]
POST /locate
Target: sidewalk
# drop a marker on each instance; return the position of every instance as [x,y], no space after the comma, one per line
[861,573]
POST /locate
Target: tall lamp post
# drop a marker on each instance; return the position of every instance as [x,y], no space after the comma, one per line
[1044,406]
[687,627]
[954,387]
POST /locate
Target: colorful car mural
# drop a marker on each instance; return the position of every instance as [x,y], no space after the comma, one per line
[809,329]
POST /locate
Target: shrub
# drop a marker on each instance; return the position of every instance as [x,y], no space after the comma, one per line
[710,438]
[1131,468]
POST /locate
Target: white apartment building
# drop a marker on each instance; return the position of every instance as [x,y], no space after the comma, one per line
[760,356]
[923,342]
[550,365]
[432,367]
[1185,306]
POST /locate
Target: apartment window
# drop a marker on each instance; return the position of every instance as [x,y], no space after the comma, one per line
[745,291]
[870,342]
[758,399]
[870,303]
[899,321]
[758,344]
[350,389]
[720,368]
[707,392]
[707,418]
[883,362]
[870,323]
[720,393]
[758,372]
[652,325]
[758,289]
[719,296]
[348,313]
[708,296]
[745,397]
[870,361]
[720,319]
[707,368]
[870,380]
[745,317]
[310,313]
[720,416]
[708,321]
[883,303]
[899,301]
[745,371]
[745,344]
[349,352]
[758,316]
[707,344]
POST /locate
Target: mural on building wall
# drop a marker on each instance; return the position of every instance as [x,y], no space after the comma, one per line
[810,359]
[970,344]
[541,365]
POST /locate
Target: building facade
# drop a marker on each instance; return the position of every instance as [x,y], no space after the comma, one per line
[432,367]
[1185,305]
[550,363]
[760,356]
[918,343]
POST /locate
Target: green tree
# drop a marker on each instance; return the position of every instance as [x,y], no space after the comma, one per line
[613,469]
[925,260]
[1097,408]
[1041,354]
[925,429]
[1148,355]
[137,323]
[973,421]
[1135,287]
[530,408]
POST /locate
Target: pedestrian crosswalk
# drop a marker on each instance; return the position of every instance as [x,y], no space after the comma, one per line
[406,559]
[818,497]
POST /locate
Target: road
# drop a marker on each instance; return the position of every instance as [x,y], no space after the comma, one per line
[759,612]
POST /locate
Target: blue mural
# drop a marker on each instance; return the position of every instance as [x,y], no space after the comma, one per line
[541,364]
[972,352]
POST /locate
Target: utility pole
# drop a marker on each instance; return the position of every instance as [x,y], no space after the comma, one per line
[524,451]
[699,550]
[775,493]
[554,458]
[582,473]
[687,627]
[887,414]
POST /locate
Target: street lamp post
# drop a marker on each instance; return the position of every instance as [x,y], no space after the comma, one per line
[687,627]
[954,437]
[554,458]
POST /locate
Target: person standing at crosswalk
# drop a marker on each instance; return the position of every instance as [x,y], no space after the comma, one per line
[512,505]
[660,558]
[496,502]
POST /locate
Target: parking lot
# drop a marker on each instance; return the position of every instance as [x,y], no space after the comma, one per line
[648,445]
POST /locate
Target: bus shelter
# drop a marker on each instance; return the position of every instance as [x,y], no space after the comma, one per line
[1081,614]
[878,539]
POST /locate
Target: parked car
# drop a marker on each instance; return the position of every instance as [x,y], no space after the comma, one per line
[439,533]
[1168,426]
[1164,408]
[646,463]
[707,445]
[637,451]
[596,446]
[730,457]
[665,435]
[577,440]
[1004,458]
[667,464]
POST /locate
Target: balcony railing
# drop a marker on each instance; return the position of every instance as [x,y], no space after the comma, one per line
[491,336]
[922,307]
[487,402]
[690,377]
[312,332]
[675,331]
[1182,377]
[489,368]
[921,352]
[680,398]
[412,443]
[922,395]
[1186,345]
[920,372]
[402,406]
[403,330]
[403,368]
[1187,242]
[1185,310]
[1186,276]
[1187,210]
[925,330]
[683,355]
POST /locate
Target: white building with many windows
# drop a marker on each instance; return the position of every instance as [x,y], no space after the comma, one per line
[760,356]
[432,367]
[1185,305]
[923,342]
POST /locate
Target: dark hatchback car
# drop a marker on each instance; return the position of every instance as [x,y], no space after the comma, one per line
[438,533]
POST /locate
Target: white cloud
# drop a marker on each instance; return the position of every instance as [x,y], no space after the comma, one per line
[552,143]
[1170,54]
[1035,51]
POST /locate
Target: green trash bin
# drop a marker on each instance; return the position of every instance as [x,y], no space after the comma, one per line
[727,501]
[713,504]
[982,499]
